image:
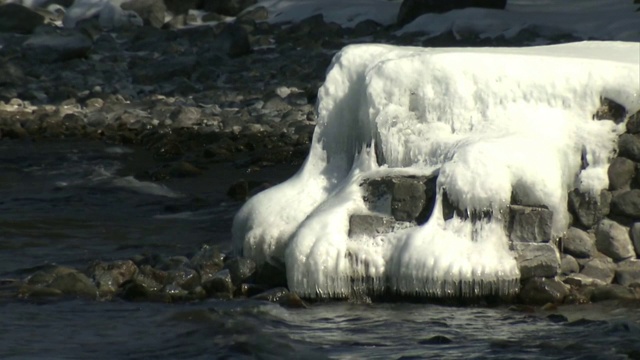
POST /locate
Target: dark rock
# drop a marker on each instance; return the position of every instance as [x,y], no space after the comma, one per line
[635,238]
[569,265]
[239,190]
[578,243]
[627,203]
[183,169]
[621,172]
[628,273]
[629,146]
[537,260]
[58,45]
[220,285]
[272,295]
[370,225]
[633,124]
[588,209]
[227,7]
[259,13]
[178,7]
[530,224]
[173,292]
[613,292]
[134,290]
[600,269]
[411,9]
[19,19]
[152,12]
[185,116]
[540,291]
[582,280]
[150,278]
[610,110]
[612,239]
[271,275]
[409,198]
[184,277]
[108,276]
[366,28]
[241,269]
[233,41]
[74,283]
[436,340]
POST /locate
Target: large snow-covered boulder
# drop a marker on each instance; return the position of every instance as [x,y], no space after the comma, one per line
[491,124]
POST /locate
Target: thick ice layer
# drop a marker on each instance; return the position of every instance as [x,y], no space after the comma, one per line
[492,122]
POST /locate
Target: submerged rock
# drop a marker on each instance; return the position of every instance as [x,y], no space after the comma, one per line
[108,276]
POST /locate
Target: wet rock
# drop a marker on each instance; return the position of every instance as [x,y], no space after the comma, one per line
[588,210]
[537,260]
[569,265]
[184,277]
[621,172]
[74,283]
[281,296]
[370,225]
[412,9]
[220,285]
[600,269]
[629,146]
[613,292]
[152,12]
[366,28]
[578,243]
[529,224]
[612,239]
[173,292]
[185,116]
[56,46]
[227,7]
[170,263]
[271,275]
[610,110]
[241,269]
[627,203]
[19,19]
[540,291]
[183,169]
[436,340]
[164,69]
[582,280]
[150,278]
[108,276]
[628,273]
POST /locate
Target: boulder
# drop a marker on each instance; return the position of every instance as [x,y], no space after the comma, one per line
[610,110]
[627,203]
[628,273]
[152,12]
[541,291]
[629,146]
[108,276]
[207,261]
[19,19]
[408,198]
[569,265]
[612,239]
[601,269]
[635,238]
[633,124]
[613,292]
[578,243]
[74,283]
[220,285]
[241,269]
[588,209]
[621,172]
[227,7]
[370,225]
[259,13]
[537,260]
[582,280]
[529,224]
[411,9]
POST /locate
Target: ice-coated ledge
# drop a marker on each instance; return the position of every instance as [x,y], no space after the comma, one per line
[492,124]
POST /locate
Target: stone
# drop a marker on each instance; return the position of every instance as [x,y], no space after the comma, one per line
[227,7]
[537,260]
[272,275]
[613,292]
[600,269]
[582,280]
[108,276]
[74,283]
[152,12]
[184,277]
[569,265]
[407,199]
[411,9]
[629,146]
[610,110]
[541,291]
[233,41]
[19,19]
[241,269]
[57,46]
[178,7]
[220,285]
[621,172]
[530,224]
[578,243]
[587,209]
[635,238]
[370,225]
[612,239]
[633,124]
[627,203]
[628,273]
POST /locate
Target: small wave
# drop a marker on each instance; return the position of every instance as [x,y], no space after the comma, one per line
[145,187]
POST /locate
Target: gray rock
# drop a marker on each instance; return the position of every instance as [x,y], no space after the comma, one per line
[627,203]
[58,45]
[227,7]
[366,28]
[411,9]
[601,269]
[182,6]
[108,276]
[184,277]
[613,292]
[578,243]
[587,209]
[635,238]
[241,269]
[621,172]
[628,273]
[612,239]
[74,283]
[541,291]
[208,261]
[185,116]
[537,260]
[370,225]
[152,12]
[19,19]
[569,265]
[408,199]
[530,224]
[582,280]
[220,285]
[629,146]
[259,13]
[610,110]
[633,124]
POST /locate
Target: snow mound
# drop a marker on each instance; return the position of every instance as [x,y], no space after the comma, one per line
[491,122]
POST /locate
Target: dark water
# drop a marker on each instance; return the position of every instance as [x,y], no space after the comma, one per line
[74,202]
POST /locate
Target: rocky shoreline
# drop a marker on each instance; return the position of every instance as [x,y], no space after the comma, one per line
[245,92]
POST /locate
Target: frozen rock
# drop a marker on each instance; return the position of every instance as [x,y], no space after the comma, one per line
[621,173]
[370,225]
[537,260]
[612,239]
[541,291]
[530,224]
[610,110]
[578,243]
[627,203]
[588,209]
[408,199]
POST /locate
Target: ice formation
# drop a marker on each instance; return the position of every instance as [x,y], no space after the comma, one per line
[491,122]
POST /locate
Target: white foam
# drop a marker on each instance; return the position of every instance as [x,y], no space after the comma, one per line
[491,121]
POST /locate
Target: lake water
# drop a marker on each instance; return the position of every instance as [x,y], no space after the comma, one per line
[70,203]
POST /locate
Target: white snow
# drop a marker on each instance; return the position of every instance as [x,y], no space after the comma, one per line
[490,121]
